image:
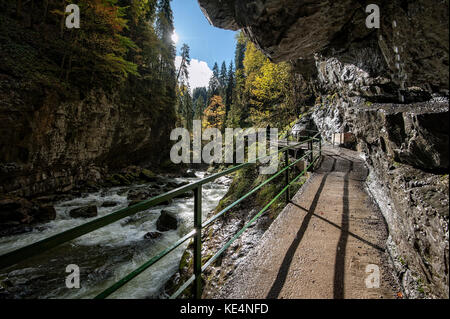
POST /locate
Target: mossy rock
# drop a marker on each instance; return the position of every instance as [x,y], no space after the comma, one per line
[186,261]
[148,175]
[169,165]
[118,180]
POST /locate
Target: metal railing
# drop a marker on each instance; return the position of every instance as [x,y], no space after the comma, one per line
[16,256]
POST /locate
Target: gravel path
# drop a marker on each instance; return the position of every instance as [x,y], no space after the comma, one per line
[320,245]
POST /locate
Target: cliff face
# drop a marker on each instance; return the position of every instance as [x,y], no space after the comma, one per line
[49,143]
[71,108]
[389,87]
[291,30]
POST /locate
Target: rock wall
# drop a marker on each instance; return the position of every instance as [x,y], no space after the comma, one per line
[389,87]
[293,29]
[50,142]
[406,150]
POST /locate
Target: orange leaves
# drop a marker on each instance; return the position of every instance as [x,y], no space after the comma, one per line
[108,13]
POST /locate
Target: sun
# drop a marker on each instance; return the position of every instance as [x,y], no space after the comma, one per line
[175,37]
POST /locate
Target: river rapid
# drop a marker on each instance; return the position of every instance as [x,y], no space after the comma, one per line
[108,254]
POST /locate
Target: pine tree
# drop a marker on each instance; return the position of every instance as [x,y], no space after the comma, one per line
[239,54]
[229,89]
[183,72]
[214,83]
[165,29]
[223,79]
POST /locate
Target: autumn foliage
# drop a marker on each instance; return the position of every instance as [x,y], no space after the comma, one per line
[214,114]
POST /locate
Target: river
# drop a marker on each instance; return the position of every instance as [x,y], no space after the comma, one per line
[108,254]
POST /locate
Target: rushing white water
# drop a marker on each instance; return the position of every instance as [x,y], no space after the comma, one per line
[119,248]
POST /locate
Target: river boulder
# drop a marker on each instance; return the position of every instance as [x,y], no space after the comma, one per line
[84,212]
[166,221]
[152,235]
[189,174]
[108,204]
[23,211]
[143,194]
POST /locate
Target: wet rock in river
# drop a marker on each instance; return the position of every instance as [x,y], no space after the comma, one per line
[152,235]
[84,212]
[166,221]
[148,175]
[173,185]
[142,194]
[14,228]
[17,213]
[108,204]
[189,174]
[185,195]
[45,213]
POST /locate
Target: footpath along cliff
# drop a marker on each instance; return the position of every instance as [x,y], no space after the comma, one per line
[389,87]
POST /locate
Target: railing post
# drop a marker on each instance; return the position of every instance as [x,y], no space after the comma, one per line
[198,242]
[286,159]
[320,146]
[310,148]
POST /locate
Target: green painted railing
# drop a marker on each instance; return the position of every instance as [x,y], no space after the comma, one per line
[16,256]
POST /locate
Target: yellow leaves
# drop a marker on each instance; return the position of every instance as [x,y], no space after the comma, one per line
[266,86]
[214,114]
[253,60]
[58,12]
[270,82]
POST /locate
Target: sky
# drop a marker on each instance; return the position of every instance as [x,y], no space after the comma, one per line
[208,44]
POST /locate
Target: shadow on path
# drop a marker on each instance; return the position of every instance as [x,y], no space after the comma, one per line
[284,268]
[339,266]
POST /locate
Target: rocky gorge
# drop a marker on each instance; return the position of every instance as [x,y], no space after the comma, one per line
[61,135]
[70,154]
[389,87]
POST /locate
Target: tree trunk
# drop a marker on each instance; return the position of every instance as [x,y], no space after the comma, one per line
[31,14]
[63,18]
[19,8]
[44,18]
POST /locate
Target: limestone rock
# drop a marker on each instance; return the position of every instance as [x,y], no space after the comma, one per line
[297,30]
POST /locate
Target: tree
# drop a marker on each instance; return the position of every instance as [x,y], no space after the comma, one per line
[97,53]
[223,78]
[164,30]
[214,115]
[214,83]
[19,8]
[200,92]
[241,47]
[229,88]
[185,106]
[238,113]
[267,88]
[184,66]
[199,97]
[199,106]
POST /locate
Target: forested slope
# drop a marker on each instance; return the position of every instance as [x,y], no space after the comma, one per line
[76,103]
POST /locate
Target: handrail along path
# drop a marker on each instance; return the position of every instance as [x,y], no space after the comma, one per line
[21,254]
